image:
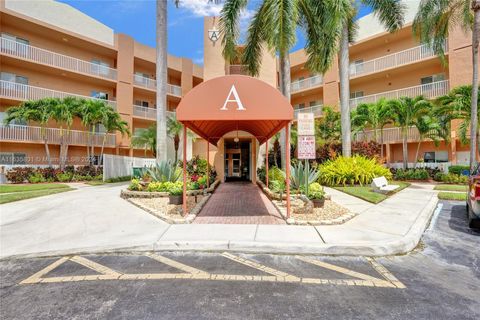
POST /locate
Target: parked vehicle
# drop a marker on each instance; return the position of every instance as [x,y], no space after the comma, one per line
[473,199]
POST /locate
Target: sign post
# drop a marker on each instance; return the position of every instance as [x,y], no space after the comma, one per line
[306,141]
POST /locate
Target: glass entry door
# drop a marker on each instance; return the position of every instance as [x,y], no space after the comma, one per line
[236,165]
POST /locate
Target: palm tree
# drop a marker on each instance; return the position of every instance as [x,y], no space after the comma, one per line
[274,25]
[432,24]
[327,128]
[112,122]
[405,113]
[92,112]
[372,115]
[456,105]
[391,15]
[38,111]
[428,127]
[175,129]
[146,139]
[161,72]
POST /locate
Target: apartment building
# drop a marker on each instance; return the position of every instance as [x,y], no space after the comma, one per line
[44,53]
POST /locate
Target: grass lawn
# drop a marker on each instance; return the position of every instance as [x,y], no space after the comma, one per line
[7,188]
[95,182]
[10,193]
[452,196]
[366,193]
[451,187]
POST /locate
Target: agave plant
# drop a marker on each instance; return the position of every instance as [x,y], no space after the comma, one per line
[298,175]
[165,171]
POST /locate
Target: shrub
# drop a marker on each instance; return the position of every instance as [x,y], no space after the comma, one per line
[117,179]
[194,186]
[369,149]
[262,173]
[276,174]
[36,177]
[156,187]
[278,186]
[198,166]
[454,178]
[439,176]
[49,173]
[328,151]
[165,171]
[315,191]
[411,174]
[458,169]
[135,185]
[19,174]
[353,170]
[89,171]
[64,177]
[202,182]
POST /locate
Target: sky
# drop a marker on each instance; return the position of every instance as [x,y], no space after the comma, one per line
[185,24]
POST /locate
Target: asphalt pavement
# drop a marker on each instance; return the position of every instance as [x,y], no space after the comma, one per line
[440,279]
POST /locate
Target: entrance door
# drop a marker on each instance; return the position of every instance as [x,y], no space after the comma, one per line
[235,165]
[237,160]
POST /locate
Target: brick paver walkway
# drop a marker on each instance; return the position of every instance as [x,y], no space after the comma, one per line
[239,203]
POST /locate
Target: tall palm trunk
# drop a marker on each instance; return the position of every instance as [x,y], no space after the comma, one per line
[345,93]
[100,161]
[405,148]
[92,153]
[276,146]
[47,149]
[88,147]
[418,150]
[381,143]
[474,102]
[161,153]
[285,82]
[176,146]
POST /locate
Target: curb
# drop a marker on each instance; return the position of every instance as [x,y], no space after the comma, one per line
[379,248]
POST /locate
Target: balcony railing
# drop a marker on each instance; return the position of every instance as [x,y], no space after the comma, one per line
[393,60]
[390,135]
[149,83]
[238,69]
[430,90]
[307,83]
[316,110]
[54,135]
[54,59]
[149,113]
[22,92]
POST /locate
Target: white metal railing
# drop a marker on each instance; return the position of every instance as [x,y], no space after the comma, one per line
[393,60]
[430,90]
[149,113]
[390,135]
[54,135]
[152,84]
[54,59]
[20,91]
[442,166]
[306,83]
[316,110]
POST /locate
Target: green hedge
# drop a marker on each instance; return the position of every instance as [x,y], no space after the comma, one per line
[458,169]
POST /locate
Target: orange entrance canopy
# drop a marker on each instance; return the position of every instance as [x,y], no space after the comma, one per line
[230,103]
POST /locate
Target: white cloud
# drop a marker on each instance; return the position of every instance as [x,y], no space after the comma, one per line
[202,8]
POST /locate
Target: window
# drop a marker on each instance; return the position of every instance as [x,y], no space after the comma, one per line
[100,67]
[356,94]
[141,103]
[99,95]
[3,115]
[9,158]
[16,45]
[99,128]
[315,103]
[138,131]
[358,66]
[432,78]
[435,156]
[12,77]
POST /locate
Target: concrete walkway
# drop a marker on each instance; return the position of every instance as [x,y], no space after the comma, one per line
[95,219]
[239,203]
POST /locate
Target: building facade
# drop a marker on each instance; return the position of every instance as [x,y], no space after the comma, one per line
[45,54]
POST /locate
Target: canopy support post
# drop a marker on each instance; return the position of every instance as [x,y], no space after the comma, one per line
[184,205]
[266,162]
[208,164]
[287,166]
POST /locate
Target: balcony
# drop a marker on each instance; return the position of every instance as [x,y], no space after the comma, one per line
[316,110]
[306,83]
[392,60]
[149,113]
[54,135]
[22,92]
[148,83]
[390,135]
[430,90]
[38,55]
[238,69]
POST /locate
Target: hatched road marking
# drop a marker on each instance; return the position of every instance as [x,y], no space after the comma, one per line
[189,272]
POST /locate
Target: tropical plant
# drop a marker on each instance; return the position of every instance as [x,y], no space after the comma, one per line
[457,105]
[391,15]
[315,191]
[427,127]
[165,171]
[374,116]
[174,130]
[351,170]
[276,174]
[112,122]
[274,27]
[432,24]
[327,128]
[299,176]
[147,139]
[39,111]
[405,113]
[458,169]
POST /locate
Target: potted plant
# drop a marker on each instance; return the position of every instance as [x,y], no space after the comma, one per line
[316,194]
[175,194]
